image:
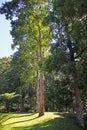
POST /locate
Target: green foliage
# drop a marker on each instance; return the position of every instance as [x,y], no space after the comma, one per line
[58,93]
[9,96]
[4,68]
[36,24]
[69,34]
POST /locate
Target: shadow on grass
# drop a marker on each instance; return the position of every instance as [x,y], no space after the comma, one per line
[4,117]
[53,124]
[72,116]
[65,115]
[22,121]
[58,123]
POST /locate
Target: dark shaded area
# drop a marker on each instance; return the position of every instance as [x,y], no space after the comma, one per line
[53,124]
[85,118]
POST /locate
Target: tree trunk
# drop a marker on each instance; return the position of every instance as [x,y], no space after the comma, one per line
[38,95]
[40,83]
[79,108]
[41,90]
[7,106]
[20,100]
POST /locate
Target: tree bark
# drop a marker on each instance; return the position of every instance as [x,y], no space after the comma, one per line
[40,87]
[79,107]
[41,90]
[7,106]
[40,82]
[38,95]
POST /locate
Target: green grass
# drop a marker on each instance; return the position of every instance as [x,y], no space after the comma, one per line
[50,121]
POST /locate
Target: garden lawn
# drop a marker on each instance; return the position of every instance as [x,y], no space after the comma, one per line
[49,121]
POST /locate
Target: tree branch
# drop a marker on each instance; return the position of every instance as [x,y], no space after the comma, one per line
[82,51]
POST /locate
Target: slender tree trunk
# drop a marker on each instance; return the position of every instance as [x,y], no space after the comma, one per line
[38,85]
[41,85]
[38,95]
[79,104]
[40,82]
[7,106]
[20,97]
[79,107]
[41,107]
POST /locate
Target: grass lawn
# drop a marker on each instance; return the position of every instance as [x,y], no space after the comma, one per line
[50,121]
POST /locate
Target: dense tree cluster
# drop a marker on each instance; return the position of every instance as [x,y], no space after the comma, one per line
[49,69]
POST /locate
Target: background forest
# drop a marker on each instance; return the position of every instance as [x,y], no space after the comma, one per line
[49,70]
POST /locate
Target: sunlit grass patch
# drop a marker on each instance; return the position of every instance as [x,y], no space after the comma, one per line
[49,121]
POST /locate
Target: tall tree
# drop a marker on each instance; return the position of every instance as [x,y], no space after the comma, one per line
[69,32]
[32,31]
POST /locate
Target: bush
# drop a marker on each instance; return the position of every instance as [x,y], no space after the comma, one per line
[2,109]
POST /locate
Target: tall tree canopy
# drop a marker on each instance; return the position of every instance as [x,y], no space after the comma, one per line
[69,42]
[36,24]
[31,35]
